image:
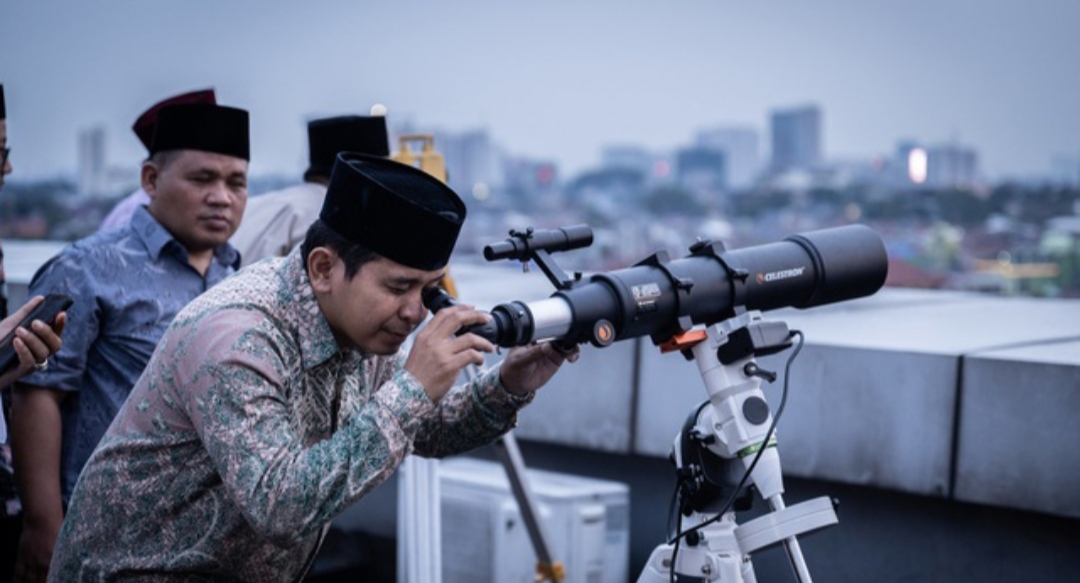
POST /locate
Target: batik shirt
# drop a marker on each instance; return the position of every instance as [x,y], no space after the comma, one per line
[128,285]
[250,430]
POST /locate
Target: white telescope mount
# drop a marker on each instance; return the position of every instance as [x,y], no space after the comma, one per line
[725,450]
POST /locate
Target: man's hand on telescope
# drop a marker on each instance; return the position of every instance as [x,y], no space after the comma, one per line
[528,368]
[438,355]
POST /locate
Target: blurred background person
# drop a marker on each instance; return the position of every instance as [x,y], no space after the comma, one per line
[128,285]
[276,222]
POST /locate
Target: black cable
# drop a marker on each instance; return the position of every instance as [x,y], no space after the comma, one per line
[757,456]
[681,479]
[675,551]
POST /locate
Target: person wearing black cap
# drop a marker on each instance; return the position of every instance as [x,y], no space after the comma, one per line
[128,286]
[143,128]
[283,395]
[276,222]
[33,344]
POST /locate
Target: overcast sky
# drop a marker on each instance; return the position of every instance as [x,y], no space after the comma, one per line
[556,79]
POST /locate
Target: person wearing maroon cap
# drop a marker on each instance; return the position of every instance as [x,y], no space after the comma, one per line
[120,214]
[128,285]
[285,394]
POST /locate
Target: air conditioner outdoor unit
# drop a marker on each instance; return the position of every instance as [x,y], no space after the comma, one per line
[484,538]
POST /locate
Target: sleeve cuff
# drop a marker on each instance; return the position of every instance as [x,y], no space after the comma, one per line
[497,403]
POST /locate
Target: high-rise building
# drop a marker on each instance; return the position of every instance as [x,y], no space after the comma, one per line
[740,146]
[908,165]
[534,182]
[1066,171]
[796,139]
[91,151]
[952,166]
[628,158]
[652,167]
[472,161]
[701,169]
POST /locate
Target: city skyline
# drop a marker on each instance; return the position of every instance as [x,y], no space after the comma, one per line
[558,82]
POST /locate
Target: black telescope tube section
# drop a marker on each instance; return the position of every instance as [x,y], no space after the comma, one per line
[812,269]
[803,271]
[852,263]
[519,247]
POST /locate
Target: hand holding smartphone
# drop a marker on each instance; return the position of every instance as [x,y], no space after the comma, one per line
[46,311]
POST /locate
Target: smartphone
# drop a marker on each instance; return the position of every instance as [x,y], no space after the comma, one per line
[46,311]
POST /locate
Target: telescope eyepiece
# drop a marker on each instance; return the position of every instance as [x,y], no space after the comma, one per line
[508,324]
[437,298]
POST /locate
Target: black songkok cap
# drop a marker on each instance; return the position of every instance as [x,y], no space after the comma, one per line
[396,210]
[202,126]
[3,109]
[349,133]
[144,126]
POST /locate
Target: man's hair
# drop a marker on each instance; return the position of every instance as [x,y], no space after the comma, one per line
[163,158]
[319,234]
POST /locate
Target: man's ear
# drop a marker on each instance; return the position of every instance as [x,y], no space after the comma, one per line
[320,267]
[150,173]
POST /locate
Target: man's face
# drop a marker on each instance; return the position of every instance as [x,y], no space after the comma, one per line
[198,196]
[3,144]
[379,307]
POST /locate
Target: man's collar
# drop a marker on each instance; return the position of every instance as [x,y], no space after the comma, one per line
[153,235]
[317,342]
[156,238]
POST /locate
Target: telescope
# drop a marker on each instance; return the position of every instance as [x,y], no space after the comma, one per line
[707,306]
[663,298]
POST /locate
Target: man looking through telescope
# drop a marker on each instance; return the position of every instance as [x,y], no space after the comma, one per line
[282,396]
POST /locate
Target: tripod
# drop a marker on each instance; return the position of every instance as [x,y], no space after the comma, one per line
[729,436]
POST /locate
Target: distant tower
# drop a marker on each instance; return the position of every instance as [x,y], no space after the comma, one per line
[741,153]
[701,169]
[952,166]
[1066,171]
[472,161]
[796,139]
[91,147]
[627,157]
[908,164]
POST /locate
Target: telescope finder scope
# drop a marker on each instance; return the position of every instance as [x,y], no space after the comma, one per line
[523,244]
